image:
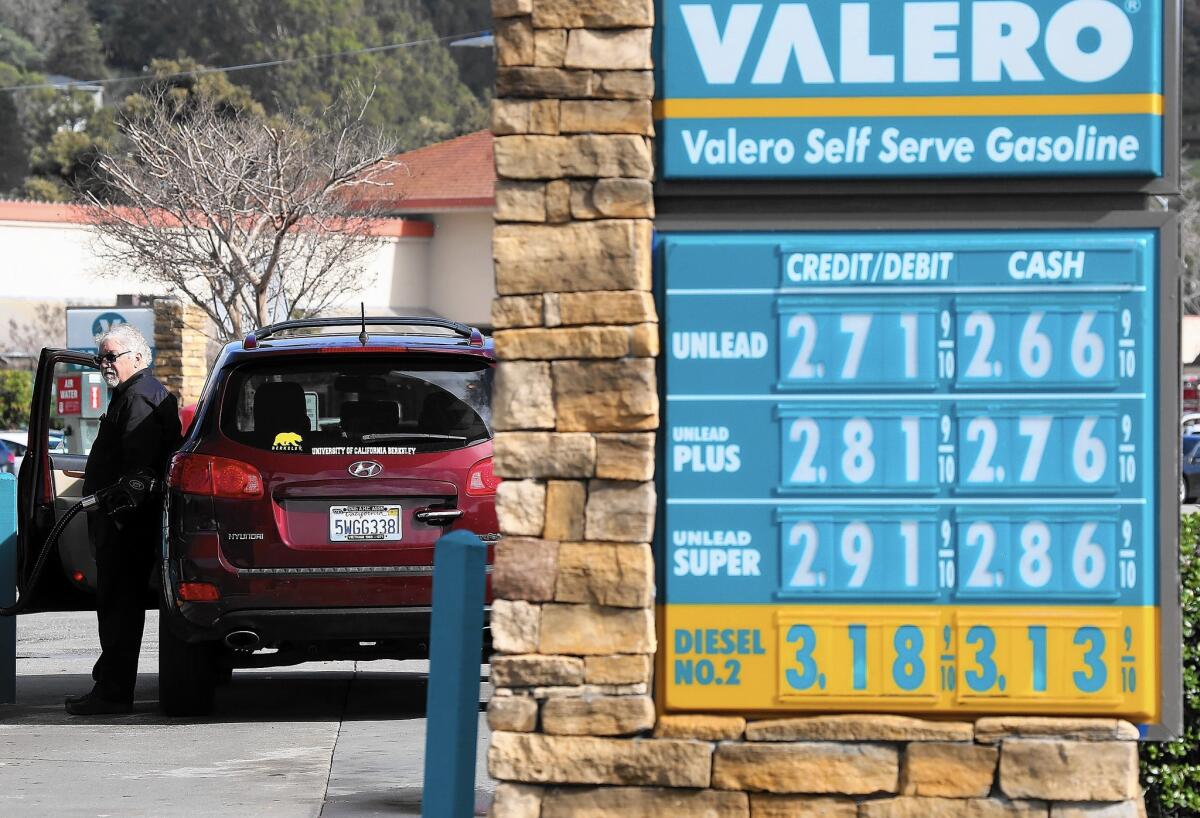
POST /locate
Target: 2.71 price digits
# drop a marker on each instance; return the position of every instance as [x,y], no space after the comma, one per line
[841,345]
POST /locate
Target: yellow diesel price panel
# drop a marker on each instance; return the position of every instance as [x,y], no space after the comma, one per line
[977,659]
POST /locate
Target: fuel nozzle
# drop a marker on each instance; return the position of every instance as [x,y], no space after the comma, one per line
[127,494]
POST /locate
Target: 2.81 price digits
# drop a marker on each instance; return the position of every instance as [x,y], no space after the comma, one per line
[890,451]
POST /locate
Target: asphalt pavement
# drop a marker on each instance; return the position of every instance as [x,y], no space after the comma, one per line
[332,739]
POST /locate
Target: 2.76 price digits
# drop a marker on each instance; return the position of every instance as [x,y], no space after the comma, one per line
[1015,449]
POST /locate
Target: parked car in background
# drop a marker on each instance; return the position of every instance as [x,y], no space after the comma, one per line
[16,440]
[9,462]
[1190,393]
[1189,479]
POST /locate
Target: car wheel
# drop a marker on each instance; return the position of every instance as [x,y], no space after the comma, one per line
[1183,490]
[187,674]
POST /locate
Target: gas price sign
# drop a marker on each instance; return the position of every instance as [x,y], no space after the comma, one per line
[911,471]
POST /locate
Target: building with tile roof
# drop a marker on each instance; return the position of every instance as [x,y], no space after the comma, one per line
[435,257]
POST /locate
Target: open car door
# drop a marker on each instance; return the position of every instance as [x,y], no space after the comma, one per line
[51,482]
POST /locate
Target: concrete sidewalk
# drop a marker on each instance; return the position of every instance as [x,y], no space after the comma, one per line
[334,739]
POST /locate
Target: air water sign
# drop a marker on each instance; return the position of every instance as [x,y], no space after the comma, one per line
[884,88]
[911,471]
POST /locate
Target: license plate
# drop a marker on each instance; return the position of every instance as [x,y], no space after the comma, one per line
[364,523]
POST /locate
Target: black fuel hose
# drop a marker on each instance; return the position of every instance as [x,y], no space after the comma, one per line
[26,588]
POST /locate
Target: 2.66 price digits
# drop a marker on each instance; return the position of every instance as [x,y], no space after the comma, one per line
[1015,347]
[840,451]
[852,554]
[1042,558]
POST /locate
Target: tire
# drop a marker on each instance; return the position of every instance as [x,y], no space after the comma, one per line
[187,674]
[1183,490]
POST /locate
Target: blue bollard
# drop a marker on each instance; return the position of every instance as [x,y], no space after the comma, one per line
[455,651]
[8,588]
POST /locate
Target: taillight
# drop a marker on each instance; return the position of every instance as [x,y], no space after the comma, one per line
[215,477]
[199,592]
[482,481]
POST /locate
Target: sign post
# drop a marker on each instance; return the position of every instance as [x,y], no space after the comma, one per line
[919,471]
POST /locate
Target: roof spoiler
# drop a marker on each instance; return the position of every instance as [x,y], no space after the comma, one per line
[474,336]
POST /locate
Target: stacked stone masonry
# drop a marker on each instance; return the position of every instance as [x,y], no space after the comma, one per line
[575,730]
[180,342]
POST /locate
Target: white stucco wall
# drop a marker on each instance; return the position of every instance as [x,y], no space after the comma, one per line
[461,283]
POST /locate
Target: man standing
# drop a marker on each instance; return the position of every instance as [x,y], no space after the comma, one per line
[138,433]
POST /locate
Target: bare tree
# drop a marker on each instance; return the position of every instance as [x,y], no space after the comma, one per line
[1189,228]
[250,219]
[45,328]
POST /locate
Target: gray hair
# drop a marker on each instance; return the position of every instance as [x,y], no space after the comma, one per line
[128,336]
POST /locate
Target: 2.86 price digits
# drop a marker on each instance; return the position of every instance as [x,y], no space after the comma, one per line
[1063,556]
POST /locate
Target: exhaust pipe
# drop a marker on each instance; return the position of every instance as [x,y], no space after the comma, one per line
[242,640]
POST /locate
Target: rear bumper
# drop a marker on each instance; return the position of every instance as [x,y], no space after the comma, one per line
[196,622]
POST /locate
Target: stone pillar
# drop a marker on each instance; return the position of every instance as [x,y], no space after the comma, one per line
[179,340]
[575,731]
[576,402]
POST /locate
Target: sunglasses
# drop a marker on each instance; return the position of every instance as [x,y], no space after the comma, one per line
[109,358]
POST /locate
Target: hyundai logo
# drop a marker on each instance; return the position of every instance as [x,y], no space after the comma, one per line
[365,468]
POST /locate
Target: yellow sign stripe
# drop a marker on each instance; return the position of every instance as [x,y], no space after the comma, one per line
[1026,105]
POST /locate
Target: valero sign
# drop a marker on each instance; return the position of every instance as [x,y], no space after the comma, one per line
[881,88]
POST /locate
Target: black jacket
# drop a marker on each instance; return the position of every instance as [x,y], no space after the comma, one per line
[140,430]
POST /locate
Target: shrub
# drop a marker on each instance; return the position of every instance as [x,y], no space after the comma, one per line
[16,394]
[1171,770]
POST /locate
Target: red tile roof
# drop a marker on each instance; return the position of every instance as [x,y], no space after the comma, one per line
[456,174]
[25,210]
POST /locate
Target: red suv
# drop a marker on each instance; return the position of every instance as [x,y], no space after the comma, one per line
[325,459]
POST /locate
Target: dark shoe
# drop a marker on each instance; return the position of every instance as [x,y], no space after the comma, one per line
[77,699]
[93,705]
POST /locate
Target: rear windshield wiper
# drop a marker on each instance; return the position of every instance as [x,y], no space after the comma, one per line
[411,435]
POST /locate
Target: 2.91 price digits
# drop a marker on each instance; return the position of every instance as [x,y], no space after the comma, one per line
[890,451]
[1055,346]
[1006,449]
[857,555]
[1044,557]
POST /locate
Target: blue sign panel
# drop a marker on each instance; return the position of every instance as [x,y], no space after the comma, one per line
[895,88]
[942,437]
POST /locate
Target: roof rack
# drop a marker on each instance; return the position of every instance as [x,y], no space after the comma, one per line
[474,337]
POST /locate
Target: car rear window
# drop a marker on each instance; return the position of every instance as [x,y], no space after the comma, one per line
[340,405]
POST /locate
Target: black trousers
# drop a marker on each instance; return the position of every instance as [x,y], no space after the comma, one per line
[124,561]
